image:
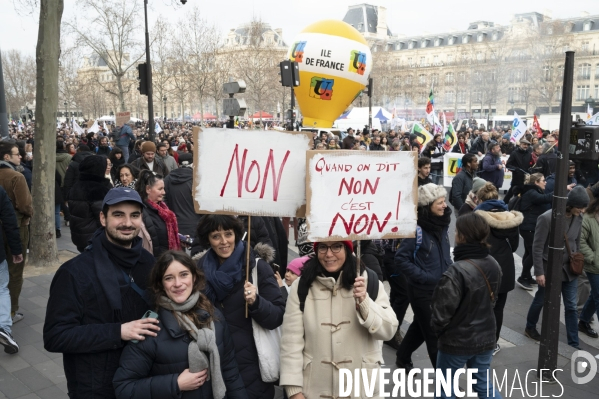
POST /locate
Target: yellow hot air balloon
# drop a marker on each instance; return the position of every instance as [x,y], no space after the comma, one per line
[334,63]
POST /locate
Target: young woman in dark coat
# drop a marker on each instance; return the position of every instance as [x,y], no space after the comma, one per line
[85,200]
[534,203]
[504,240]
[193,342]
[224,265]
[159,220]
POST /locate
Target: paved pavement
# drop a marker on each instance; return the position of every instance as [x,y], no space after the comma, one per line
[36,373]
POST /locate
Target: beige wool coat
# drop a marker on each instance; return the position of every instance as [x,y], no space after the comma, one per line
[330,335]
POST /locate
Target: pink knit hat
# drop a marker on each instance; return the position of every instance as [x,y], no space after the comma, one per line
[297,265]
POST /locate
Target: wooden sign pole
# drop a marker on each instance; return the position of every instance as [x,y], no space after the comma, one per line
[247,259]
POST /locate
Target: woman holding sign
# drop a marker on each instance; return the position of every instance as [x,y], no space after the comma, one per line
[423,260]
[224,265]
[333,320]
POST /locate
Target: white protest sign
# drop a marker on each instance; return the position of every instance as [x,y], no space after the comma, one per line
[255,172]
[452,165]
[518,129]
[361,195]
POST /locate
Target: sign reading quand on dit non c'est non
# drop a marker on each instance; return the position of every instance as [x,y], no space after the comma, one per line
[254,172]
[360,195]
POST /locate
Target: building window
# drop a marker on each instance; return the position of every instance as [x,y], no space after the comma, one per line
[451,40]
[411,45]
[596,91]
[495,35]
[450,97]
[584,71]
[409,61]
[480,37]
[583,92]
[423,43]
[558,93]
[434,78]
[479,56]
[512,94]
[396,81]
[450,58]
[422,61]
[409,80]
[437,42]
[462,77]
[584,46]
[461,96]
[449,78]
[465,39]
[587,25]
[436,59]
[550,30]
[422,79]
[477,77]
[477,96]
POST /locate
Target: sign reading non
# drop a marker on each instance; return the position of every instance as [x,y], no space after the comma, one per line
[255,172]
[360,195]
[122,118]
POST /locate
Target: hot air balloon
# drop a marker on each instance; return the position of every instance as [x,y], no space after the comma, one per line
[334,63]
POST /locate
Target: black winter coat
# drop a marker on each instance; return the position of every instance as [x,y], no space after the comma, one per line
[179,199]
[85,204]
[8,221]
[460,187]
[478,145]
[150,368]
[519,163]
[267,310]
[279,239]
[71,176]
[546,163]
[504,240]
[533,204]
[82,324]
[462,312]
[156,228]
[58,198]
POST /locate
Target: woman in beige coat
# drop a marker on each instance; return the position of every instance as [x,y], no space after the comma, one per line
[339,327]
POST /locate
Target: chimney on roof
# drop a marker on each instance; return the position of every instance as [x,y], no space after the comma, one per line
[381,27]
[584,14]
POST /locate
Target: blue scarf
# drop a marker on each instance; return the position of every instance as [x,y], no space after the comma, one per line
[492,205]
[222,278]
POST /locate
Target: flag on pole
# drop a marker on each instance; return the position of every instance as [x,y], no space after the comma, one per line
[589,112]
[451,137]
[518,129]
[157,128]
[77,129]
[430,109]
[105,127]
[423,136]
[537,127]
[95,128]
[593,120]
[20,126]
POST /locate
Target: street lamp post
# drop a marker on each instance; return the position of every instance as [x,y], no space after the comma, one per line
[164,102]
[66,106]
[149,77]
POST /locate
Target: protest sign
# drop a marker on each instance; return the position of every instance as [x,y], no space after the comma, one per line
[257,172]
[122,118]
[361,195]
[452,165]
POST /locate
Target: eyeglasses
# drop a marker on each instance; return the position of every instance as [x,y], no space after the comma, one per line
[335,248]
[15,155]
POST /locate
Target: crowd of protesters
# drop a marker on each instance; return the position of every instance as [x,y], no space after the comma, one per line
[159,304]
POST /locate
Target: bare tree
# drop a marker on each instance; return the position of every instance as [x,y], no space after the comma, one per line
[162,60]
[19,80]
[113,39]
[44,252]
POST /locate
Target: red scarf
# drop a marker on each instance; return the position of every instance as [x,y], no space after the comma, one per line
[170,220]
[462,148]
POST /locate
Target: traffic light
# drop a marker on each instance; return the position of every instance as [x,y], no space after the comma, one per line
[289,72]
[142,77]
[369,87]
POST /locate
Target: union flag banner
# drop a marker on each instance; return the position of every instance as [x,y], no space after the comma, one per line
[537,127]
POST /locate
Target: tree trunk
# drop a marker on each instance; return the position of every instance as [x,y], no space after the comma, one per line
[121,93]
[43,251]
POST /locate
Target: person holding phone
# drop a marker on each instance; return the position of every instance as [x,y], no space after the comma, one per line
[193,355]
[97,299]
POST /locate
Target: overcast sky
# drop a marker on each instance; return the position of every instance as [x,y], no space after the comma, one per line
[19,30]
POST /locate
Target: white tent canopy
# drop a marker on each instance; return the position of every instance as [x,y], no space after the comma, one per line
[357,118]
[106,118]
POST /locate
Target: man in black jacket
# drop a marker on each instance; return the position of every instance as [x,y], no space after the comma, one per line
[179,197]
[518,163]
[349,141]
[462,183]
[71,176]
[8,219]
[97,299]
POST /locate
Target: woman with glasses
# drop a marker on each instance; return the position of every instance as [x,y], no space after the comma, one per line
[533,204]
[333,325]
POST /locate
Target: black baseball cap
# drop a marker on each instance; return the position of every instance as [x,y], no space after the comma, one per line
[121,194]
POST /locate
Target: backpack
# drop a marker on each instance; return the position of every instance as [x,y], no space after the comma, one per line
[515,203]
[372,288]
